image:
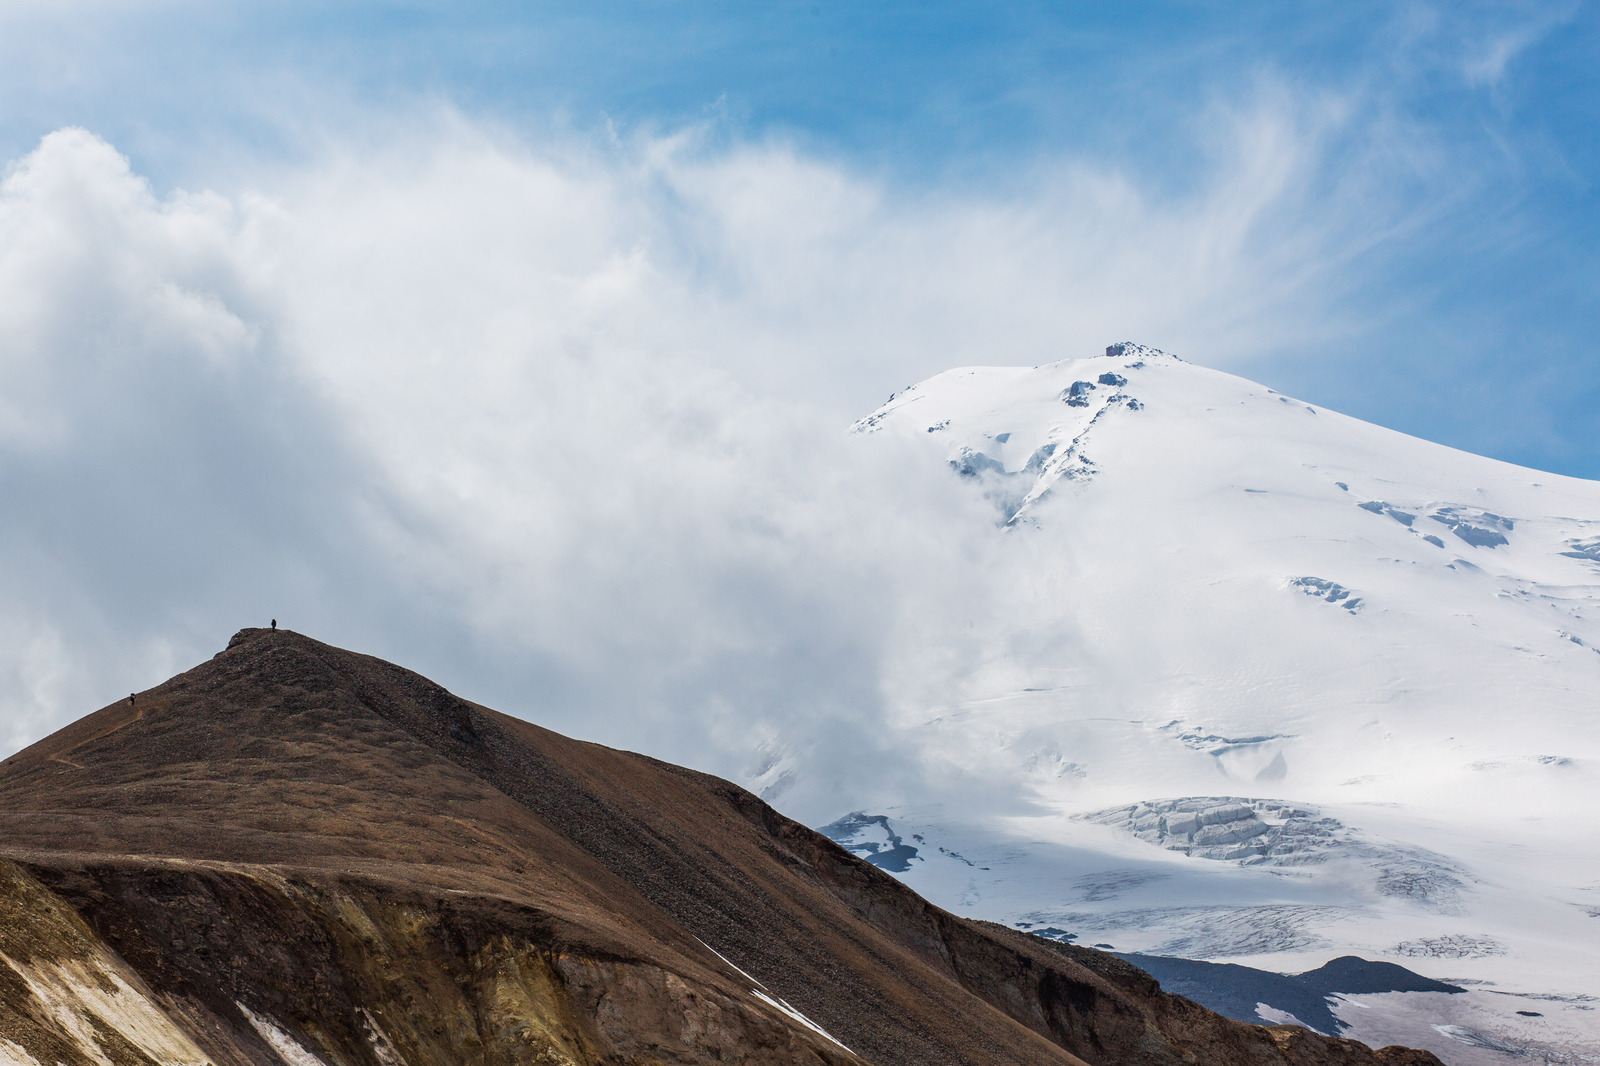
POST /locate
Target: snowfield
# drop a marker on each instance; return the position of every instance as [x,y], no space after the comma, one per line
[1273,685]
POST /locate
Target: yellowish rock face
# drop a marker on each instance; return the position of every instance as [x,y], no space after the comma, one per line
[82,1003]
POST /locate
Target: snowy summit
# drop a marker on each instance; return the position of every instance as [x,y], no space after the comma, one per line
[1268,684]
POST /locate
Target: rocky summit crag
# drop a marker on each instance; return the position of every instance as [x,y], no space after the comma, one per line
[294,855]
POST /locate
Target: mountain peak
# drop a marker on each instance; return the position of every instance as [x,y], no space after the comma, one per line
[250,633]
[297,853]
[1134,350]
[1203,581]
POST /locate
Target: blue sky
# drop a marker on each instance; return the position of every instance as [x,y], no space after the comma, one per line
[1480,305]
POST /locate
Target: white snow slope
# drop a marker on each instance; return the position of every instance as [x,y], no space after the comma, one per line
[1282,685]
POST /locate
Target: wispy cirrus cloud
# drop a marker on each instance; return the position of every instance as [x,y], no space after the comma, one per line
[1491,49]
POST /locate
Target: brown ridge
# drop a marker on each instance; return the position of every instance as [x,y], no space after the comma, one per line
[296,839]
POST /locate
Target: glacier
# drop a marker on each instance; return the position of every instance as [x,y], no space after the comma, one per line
[1267,684]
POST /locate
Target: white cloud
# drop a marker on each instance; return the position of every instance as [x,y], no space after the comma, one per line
[562,424]
[1489,55]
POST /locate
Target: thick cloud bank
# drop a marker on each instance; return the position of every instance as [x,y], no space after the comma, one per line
[564,427]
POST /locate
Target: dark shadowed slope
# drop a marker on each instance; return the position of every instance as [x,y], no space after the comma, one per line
[295,854]
[1236,990]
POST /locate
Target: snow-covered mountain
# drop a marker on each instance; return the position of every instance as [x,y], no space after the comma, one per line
[1275,685]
